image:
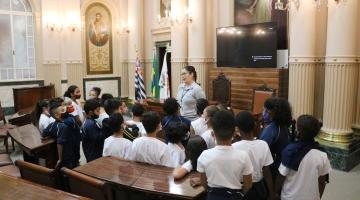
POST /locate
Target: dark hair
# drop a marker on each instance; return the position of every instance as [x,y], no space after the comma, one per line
[171,106]
[223,124]
[105,97]
[175,132]
[91,105]
[245,121]
[308,127]
[115,122]
[111,105]
[225,107]
[211,110]
[138,110]
[201,104]
[281,110]
[39,107]
[195,146]
[191,70]
[71,89]
[150,121]
[97,90]
[54,104]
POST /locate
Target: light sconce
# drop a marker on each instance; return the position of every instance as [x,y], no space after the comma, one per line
[172,19]
[54,27]
[123,29]
[279,5]
[73,27]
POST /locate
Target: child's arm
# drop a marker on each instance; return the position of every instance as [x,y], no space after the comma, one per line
[322,184]
[279,184]
[60,151]
[179,172]
[247,179]
[269,181]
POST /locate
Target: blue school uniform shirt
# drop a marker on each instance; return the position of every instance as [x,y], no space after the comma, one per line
[175,118]
[66,133]
[277,139]
[92,140]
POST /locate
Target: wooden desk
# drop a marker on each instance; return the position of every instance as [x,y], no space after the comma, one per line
[135,177]
[22,117]
[16,188]
[29,139]
[155,105]
[29,96]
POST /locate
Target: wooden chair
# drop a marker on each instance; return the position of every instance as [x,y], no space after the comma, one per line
[5,160]
[4,130]
[260,95]
[38,174]
[221,90]
[87,186]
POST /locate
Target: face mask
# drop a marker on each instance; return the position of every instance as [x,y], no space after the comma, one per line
[266,116]
[94,116]
[77,96]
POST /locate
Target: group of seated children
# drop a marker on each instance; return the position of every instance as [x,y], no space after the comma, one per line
[270,167]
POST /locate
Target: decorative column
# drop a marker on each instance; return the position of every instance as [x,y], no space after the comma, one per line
[356,125]
[197,41]
[179,47]
[341,79]
[302,61]
[135,41]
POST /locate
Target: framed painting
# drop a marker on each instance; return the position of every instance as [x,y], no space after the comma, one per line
[98,39]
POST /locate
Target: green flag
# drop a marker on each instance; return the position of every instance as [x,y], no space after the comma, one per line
[155,77]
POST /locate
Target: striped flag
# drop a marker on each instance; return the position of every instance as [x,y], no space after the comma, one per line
[155,77]
[139,81]
[164,81]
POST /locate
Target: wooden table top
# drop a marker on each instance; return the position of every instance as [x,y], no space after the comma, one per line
[141,176]
[29,137]
[17,188]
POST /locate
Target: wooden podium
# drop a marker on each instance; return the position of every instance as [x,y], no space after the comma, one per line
[27,97]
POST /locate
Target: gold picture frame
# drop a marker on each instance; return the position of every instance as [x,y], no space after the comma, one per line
[98,31]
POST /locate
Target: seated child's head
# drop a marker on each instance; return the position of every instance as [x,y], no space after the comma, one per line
[58,109]
[245,121]
[111,106]
[42,107]
[138,110]
[195,146]
[123,107]
[105,97]
[92,108]
[115,122]
[308,127]
[223,124]
[225,107]
[151,122]
[171,106]
[201,104]
[175,132]
[209,112]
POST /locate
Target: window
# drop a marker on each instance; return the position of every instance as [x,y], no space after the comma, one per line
[17,51]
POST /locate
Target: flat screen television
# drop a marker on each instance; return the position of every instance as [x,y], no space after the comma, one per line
[252,45]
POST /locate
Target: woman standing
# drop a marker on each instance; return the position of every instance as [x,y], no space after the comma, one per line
[188,92]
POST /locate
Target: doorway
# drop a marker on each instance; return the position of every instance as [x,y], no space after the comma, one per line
[161,50]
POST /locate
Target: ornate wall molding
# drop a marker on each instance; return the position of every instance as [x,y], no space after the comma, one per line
[306,59]
[51,62]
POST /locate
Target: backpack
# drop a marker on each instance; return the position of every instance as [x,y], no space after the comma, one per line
[131,132]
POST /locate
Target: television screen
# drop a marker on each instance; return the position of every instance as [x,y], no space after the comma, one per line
[252,45]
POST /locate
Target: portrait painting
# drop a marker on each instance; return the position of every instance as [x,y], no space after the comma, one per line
[98,39]
[260,11]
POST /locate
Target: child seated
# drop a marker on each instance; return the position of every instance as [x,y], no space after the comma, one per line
[67,134]
[194,148]
[172,112]
[260,156]
[208,135]
[43,115]
[223,166]
[116,145]
[174,132]
[149,149]
[92,138]
[138,111]
[305,167]
[199,126]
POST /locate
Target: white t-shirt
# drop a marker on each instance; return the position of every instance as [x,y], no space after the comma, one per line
[303,184]
[209,138]
[199,125]
[102,116]
[78,110]
[151,150]
[259,154]
[142,131]
[177,154]
[224,166]
[187,166]
[117,147]
[44,121]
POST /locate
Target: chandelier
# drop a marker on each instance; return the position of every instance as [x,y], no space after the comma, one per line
[279,5]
